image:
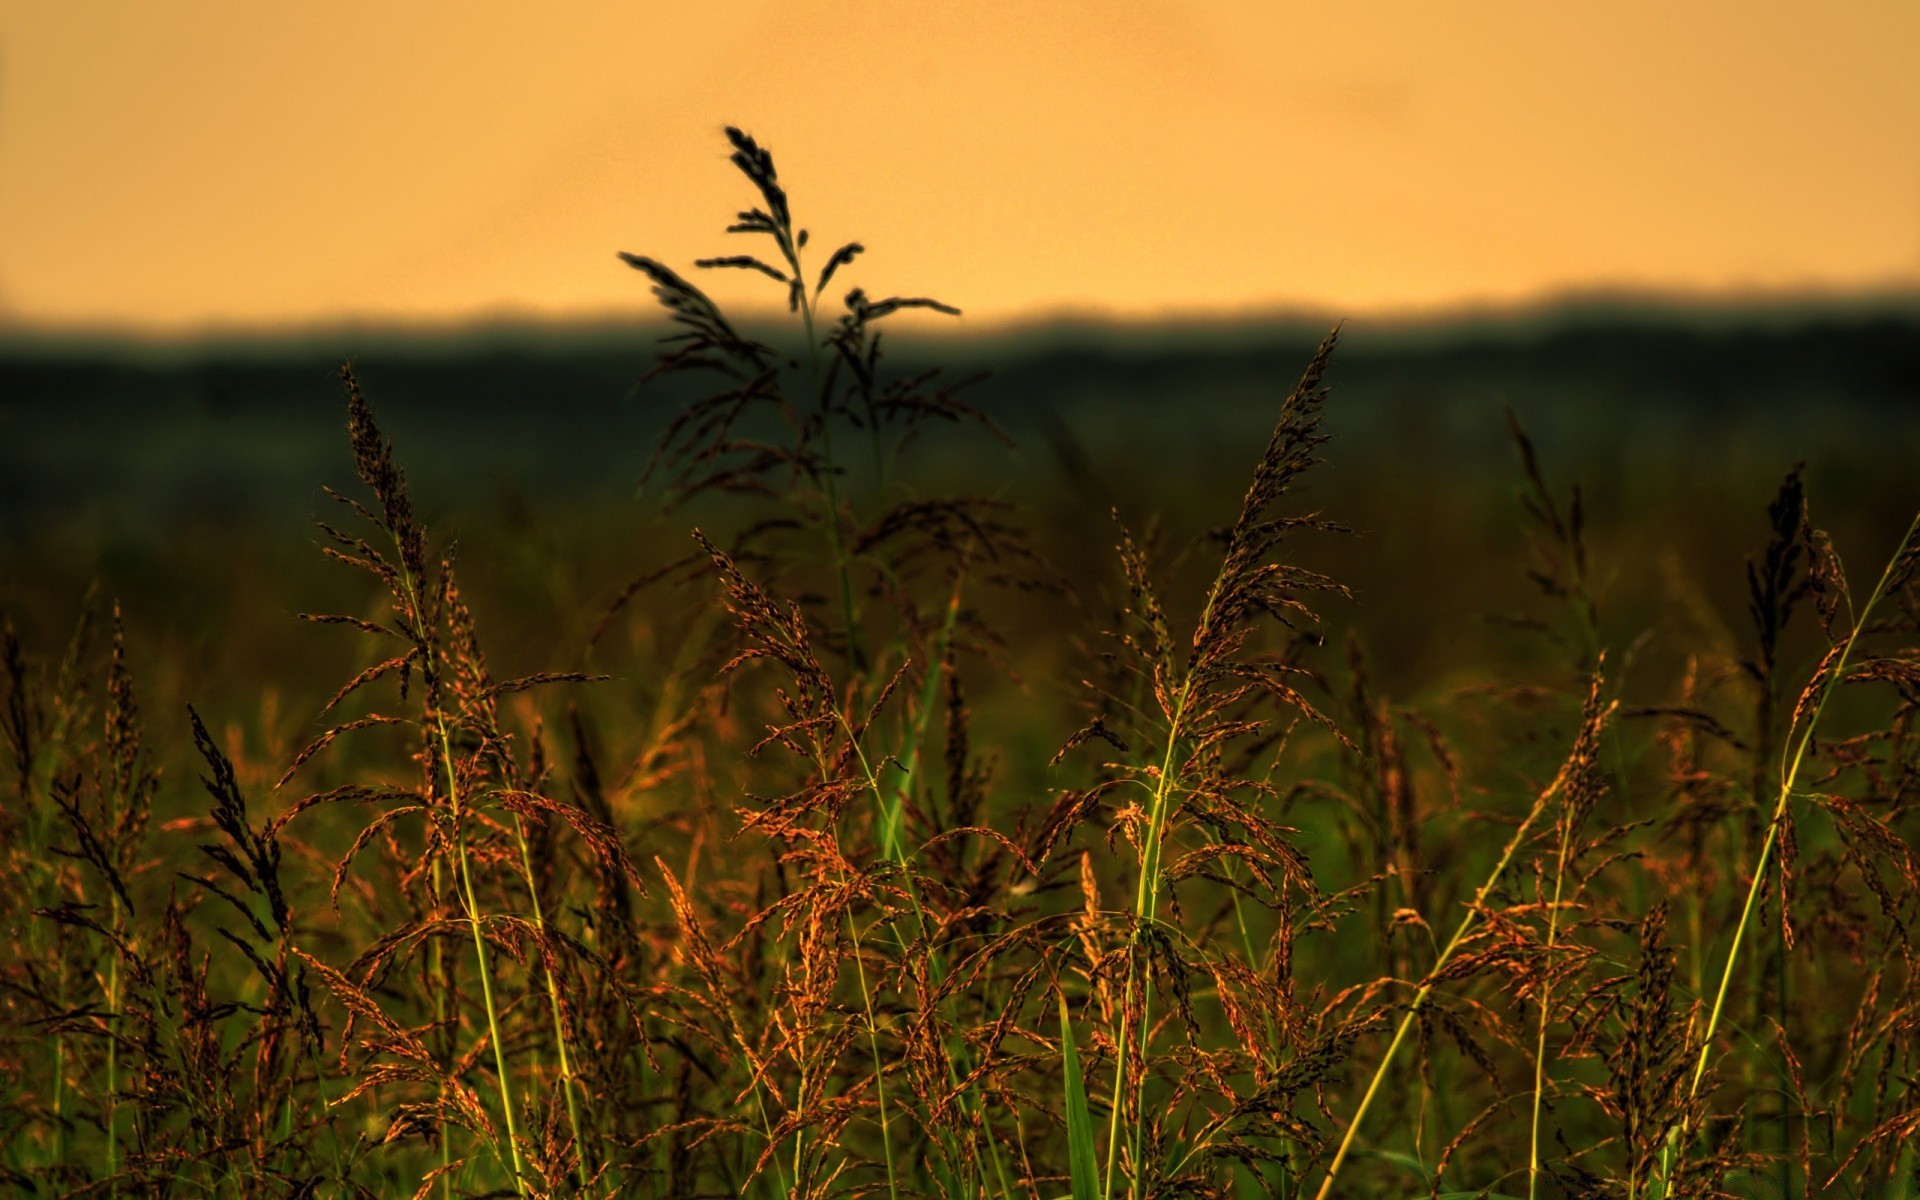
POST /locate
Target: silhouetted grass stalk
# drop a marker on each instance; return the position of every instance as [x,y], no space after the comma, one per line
[842,568]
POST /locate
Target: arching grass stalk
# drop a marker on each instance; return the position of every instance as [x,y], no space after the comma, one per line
[1585,748]
[1822,688]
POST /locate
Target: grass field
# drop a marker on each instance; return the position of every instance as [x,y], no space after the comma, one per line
[914,793]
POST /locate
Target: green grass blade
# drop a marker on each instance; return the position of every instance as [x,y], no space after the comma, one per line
[1083,1160]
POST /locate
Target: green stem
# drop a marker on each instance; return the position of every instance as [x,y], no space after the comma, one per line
[486,993]
[1670,1155]
[472,906]
[553,1001]
[897,852]
[411,591]
[1145,901]
[59,1100]
[1426,989]
[113,1060]
[873,1042]
[437,968]
[1540,1039]
[890,810]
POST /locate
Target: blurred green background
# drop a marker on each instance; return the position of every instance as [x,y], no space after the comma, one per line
[182,478]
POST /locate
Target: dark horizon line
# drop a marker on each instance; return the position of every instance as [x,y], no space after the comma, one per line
[529,330]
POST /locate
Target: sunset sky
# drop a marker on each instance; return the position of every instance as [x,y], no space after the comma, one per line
[194,165]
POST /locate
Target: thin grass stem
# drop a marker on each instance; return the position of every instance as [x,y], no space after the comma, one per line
[486,993]
[113,1060]
[1426,989]
[879,1073]
[567,1083]
[1790,774]
[1546,1012]
[1146,896]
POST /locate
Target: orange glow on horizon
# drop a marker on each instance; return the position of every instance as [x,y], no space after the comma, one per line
[204,164]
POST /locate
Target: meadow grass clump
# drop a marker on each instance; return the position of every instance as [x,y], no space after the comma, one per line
[826,881]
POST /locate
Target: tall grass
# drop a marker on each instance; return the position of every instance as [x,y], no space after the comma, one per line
[765,890]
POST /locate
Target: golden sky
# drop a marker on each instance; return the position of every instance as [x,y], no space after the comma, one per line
[191,164]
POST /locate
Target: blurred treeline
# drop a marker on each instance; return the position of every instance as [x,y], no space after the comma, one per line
[180,479]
